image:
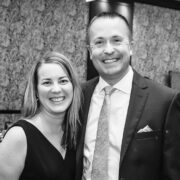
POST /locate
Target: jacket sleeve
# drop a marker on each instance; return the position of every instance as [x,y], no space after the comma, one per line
[171,143]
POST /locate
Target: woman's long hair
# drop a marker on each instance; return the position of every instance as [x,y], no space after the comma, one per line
[31,103]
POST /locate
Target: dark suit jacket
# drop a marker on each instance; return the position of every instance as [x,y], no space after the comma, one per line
[149,155]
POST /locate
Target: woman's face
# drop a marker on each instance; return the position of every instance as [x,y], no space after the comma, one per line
[55,90]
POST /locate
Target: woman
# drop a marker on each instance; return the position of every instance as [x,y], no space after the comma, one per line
[42,144]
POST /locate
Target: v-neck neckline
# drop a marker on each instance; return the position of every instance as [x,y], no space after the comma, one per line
[47,141]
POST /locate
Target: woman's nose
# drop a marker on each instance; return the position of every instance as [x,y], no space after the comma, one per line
[56,87]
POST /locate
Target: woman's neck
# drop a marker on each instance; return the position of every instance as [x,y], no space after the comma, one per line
[49,123]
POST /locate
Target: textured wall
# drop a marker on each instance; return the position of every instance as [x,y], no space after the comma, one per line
[29,28]
[156,41]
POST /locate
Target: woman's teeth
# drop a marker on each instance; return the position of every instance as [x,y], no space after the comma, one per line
[57,99]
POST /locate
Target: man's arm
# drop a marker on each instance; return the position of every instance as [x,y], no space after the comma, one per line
[171,146]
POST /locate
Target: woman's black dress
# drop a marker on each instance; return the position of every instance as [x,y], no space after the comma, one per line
[43,161]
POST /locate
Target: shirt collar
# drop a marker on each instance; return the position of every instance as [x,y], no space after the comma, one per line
[124,85]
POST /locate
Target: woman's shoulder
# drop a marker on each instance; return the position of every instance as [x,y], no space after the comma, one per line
[14,143]
[15,135]
[13,150]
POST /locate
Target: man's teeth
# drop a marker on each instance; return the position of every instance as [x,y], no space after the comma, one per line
[57,99]
[110,60]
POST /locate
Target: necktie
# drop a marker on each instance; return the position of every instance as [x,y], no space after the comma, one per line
[100,159]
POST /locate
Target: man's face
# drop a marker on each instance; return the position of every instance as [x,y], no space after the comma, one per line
[110,48]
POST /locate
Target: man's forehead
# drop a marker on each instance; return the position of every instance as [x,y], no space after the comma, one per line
[113,26]
[109,19]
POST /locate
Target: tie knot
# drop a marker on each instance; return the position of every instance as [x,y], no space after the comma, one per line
[108,90]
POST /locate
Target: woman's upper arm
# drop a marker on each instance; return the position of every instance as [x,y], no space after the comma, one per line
[12,154]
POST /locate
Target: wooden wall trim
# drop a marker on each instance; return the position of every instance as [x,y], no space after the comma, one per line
[172,4]
[10,111]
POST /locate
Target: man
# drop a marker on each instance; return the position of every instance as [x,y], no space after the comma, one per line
[144,135]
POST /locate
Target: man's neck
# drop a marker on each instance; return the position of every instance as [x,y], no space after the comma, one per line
[112,80]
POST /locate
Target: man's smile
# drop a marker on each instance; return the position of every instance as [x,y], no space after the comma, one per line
[108,61]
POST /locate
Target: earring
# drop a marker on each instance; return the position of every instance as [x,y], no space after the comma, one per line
[37,98]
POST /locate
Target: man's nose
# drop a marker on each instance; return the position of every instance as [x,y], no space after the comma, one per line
[109,48]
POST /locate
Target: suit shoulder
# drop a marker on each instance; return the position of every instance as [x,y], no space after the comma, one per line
[155,89]
[90,82]
[160,89]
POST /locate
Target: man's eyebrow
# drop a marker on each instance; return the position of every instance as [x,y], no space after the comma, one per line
[117,36]
[98,38]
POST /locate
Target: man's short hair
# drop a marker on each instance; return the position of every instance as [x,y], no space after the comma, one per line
[110,15]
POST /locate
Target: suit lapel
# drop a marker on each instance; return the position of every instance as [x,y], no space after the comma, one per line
[136,105]
[88,90]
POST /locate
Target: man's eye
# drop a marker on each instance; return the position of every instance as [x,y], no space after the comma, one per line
[117,40]
[99,43]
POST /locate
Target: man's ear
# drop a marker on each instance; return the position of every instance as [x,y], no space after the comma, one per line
[130,48]
[130,52]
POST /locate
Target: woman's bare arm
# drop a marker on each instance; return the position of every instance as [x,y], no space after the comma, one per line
[12,154]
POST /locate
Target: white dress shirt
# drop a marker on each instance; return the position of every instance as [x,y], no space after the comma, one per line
[119,106]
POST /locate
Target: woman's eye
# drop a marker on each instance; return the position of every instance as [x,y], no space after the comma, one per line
[63,81]
[99,42]
[46,83]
